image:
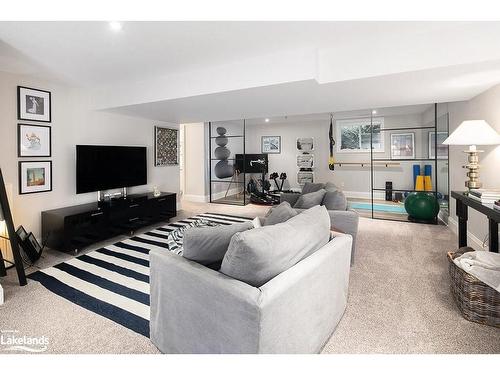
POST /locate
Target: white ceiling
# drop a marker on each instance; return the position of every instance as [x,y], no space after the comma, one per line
[89,53]
[198,71]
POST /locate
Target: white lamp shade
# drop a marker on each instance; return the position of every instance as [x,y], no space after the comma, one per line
[473,132]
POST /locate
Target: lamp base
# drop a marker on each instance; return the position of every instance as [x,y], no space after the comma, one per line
[473,167]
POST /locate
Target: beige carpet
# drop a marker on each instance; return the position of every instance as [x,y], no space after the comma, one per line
[399,300]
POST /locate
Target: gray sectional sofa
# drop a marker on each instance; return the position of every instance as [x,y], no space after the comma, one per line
[280,289]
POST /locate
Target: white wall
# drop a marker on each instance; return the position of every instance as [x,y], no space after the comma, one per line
[73,122]
[485,107]
[194,162]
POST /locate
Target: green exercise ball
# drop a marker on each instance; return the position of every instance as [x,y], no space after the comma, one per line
[422,206]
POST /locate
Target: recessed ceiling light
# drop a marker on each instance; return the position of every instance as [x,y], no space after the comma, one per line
[115,25]
[374,112]
[266,120]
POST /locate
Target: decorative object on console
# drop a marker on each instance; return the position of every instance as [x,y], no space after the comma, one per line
[485,196]
[305,144]
[33,140]
[156,191]
[166,146]
[442,148]
[222,169]
[473,133]
[271,144]
[35,176]
[33,104]
[403,146]
[305,161]
[6,218]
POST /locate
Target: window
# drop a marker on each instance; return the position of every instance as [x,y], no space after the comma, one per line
[354,135]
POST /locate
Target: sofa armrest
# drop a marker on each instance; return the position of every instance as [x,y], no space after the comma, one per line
[198,310]
[346,222]
[291,198]
[302,306]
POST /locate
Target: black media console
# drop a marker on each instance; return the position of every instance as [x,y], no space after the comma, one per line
[73,228]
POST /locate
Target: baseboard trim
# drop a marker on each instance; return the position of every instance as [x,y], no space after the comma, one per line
[195,198]
[472,240]
[364,194]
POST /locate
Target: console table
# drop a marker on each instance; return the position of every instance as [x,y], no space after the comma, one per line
[463,202]
[73,228]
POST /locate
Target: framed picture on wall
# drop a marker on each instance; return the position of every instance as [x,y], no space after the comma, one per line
[33,141]
[403,146]
[33,104]
[305,161]
[305,144]
[35,176]
[304,177]
[442,150]
[271,144]
[166,147]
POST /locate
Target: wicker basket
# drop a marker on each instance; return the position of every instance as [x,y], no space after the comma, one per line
[477,301]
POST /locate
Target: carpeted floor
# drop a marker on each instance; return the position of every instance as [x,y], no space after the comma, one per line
[399,300]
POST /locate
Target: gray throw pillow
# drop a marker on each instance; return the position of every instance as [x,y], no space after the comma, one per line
[311,199]
[335,200]
[279,214]
[258,255]
[311,188]
[330,186]
[209,245]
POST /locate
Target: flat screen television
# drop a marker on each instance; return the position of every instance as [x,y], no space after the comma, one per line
[109,167]
[250,163]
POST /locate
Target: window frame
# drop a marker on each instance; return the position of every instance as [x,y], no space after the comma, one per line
[359,122]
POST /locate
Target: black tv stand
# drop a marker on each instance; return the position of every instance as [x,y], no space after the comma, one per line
[76,227]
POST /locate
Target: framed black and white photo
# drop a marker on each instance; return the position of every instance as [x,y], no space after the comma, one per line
[271,144]
[442,150]
[33,141]
[166,146]
[35,176]
[304,177]
[33,104]
[305,161]
[305,144]
[403,146]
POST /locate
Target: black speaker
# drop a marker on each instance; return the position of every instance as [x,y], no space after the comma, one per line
[388,190]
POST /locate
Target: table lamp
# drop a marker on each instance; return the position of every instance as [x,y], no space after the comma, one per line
[473,133]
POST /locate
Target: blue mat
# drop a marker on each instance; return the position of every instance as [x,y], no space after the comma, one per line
[377,207]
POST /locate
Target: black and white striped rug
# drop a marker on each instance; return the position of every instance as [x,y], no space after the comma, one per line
[114,281]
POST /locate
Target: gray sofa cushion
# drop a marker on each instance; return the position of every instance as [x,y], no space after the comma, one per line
[330,186]
[310,199]
[279,214]
[258,255]
[311,188]
[335,200]
[209,245]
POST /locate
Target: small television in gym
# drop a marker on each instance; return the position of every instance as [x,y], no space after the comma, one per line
[109,167]
[252,163]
